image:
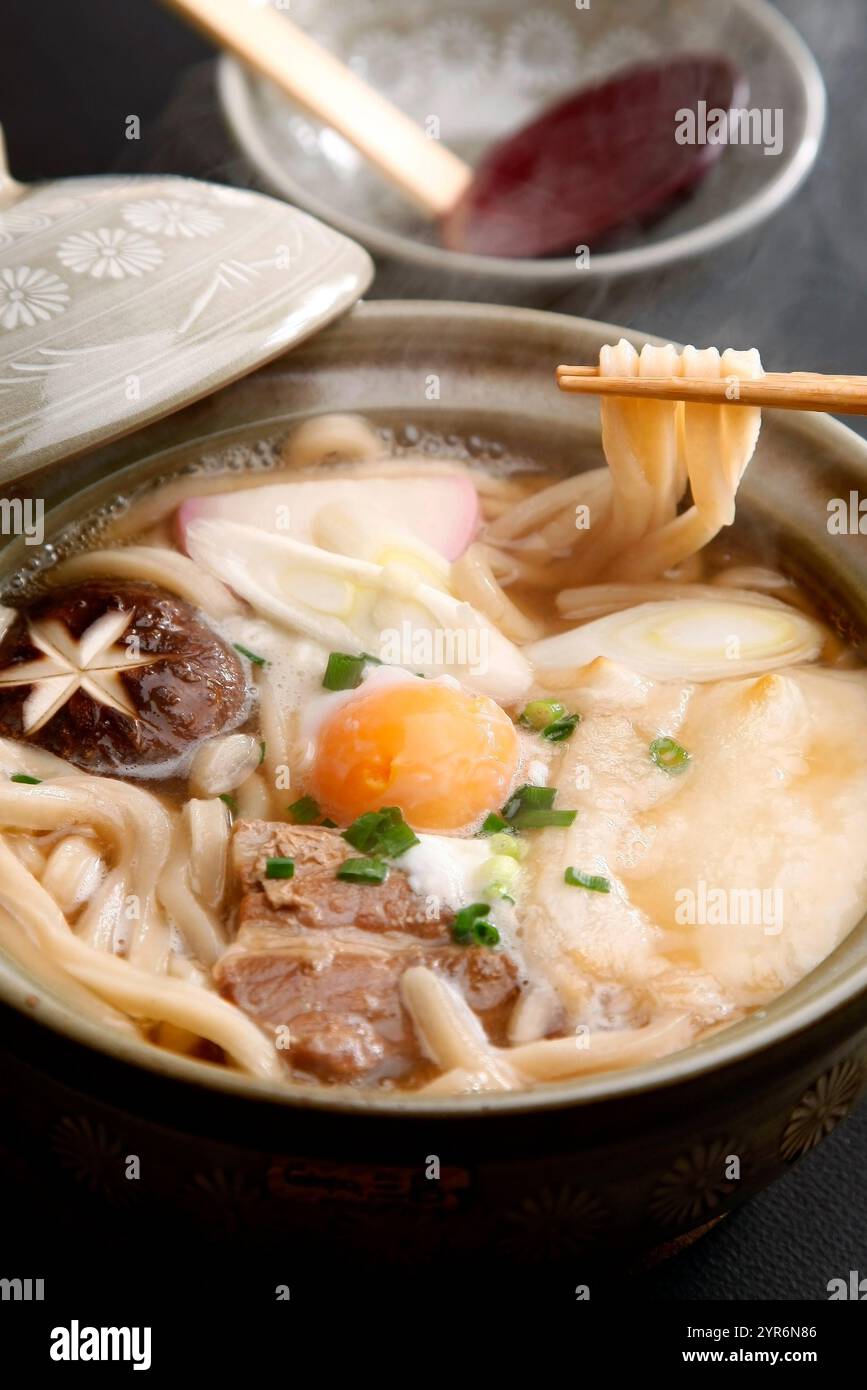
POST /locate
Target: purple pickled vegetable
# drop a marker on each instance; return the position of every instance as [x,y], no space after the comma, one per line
[597,161]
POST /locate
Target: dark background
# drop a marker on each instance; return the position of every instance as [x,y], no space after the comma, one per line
[73,70]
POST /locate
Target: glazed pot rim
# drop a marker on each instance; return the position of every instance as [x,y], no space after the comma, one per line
[734,1044]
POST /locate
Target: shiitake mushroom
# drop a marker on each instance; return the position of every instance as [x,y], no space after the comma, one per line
[117,677]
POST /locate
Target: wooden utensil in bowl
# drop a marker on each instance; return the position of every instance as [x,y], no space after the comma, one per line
[602,157]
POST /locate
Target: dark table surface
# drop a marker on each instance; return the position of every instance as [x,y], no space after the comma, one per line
[74,70]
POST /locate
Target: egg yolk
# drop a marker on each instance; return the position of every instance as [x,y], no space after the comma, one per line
[444,756]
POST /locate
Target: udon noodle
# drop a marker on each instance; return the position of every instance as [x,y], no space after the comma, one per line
[619,759]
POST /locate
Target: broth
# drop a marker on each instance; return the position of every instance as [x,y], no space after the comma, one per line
[361,758]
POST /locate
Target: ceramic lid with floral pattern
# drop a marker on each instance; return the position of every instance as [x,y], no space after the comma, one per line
[122,300]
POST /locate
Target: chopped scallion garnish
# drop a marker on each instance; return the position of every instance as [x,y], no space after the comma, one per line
[550,719]
[494,824]
[529,796]
[594,882]
[530,809]
[485,933]
[363,870]
[364,833]
[229,800]
[343,672]
[669,755]
[262,752]
[304,811]
[384,833]
[251,656]
[472,927]
[539,714]
[23,777]
[561,728]
[508,843]
[501,875]
[280,868]
[541,819]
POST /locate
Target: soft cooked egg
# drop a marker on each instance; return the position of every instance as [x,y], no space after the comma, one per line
[443,755]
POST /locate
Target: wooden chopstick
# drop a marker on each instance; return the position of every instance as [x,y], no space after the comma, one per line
[429,174]
[775,390]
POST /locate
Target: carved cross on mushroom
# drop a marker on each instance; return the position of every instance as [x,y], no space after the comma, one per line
[92,663]
[117,677]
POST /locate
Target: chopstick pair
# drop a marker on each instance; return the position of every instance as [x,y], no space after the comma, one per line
[775,390]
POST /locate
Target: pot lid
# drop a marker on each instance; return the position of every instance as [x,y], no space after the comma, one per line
[123,299]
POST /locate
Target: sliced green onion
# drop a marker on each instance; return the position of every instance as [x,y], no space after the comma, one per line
[251,656]
[527,797]
[539,820]
[462,926]
[229,800]
[280,868]
[23,777]
[502,871]
[550,719]
[594,882]
[485,933]
[494,824]
[262,751]
[530,809]
[507,842]
[539,714]
[397,839]
[471,925]
[562,728]
[363,833]
[669,755]
[363,871]
[329,824]
[304,811]
[384,833]
[343,672]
